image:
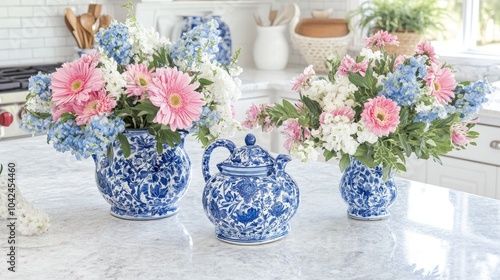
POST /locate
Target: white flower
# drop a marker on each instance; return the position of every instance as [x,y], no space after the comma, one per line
[30,221]
[317,90]
[366,136]
[369,54]
[36,104]
[115,82]
[337,133]
[305,151]
[339,94]
[144,41]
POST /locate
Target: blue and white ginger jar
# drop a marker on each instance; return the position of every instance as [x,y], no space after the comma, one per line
[146,185]
[367,195]
[252,199]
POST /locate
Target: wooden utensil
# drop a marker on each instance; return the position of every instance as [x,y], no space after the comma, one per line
[105,21]
[272,16]
[87,20]
[95,10]
[82,32]
[72,23]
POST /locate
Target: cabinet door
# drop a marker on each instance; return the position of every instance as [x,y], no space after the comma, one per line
[463,175]
[415,169]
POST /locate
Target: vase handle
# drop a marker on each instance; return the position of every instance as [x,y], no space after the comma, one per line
[208,152]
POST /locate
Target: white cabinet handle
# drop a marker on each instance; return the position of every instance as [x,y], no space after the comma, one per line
[495,144]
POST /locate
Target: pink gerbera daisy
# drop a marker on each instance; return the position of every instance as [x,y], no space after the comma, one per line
[442,83]
[302,78]
[138,79]
[91,58]
[98,103]
[381,38]
[381,115]
[425,48]
[57,111]
[179,102]
[349,65]
[74,82]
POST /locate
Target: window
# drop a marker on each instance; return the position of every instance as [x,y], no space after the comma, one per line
[473,27]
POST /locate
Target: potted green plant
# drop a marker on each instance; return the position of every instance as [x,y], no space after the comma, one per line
[409,20]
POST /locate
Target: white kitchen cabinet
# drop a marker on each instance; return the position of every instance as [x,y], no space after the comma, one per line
[464,175]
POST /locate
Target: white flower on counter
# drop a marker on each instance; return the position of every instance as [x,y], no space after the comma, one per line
[30,221]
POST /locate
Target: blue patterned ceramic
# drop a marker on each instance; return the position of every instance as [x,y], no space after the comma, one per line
[145,185]
[252,199]
[365,191]
[224,54]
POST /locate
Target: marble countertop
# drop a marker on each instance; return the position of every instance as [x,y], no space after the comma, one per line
[433,233]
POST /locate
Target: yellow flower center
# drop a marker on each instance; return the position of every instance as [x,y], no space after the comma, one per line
[437,86]
[381,117]
[143,82]
[175,100]
[76,85]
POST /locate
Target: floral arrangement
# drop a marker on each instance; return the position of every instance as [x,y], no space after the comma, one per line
[136,79]
[377,108]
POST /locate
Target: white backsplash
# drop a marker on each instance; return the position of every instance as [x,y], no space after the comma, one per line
[34,32]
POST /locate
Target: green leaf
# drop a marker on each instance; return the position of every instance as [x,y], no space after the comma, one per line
[344,162]
[404,143]
[67,116]
[125,145]
[328,154]
[205,82]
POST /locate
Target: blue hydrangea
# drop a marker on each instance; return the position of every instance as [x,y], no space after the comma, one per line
[403,86]
[84,141]
[39,85]
[114,41]
[202,40]
[434,113]
[207,119]
[32,124]
[469,99]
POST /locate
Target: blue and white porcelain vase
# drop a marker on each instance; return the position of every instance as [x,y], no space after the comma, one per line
[146,185]
[252,199]
[367,195]
[225,44]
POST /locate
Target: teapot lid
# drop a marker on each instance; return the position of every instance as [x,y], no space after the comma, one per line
[250,155]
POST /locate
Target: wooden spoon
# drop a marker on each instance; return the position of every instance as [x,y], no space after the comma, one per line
[72,23]
[87,20]
[105,21]
[82,33]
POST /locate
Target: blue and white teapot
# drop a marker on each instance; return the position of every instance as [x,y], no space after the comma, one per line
[252,198]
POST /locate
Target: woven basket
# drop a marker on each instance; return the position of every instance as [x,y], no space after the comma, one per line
[407,44]
[316,50]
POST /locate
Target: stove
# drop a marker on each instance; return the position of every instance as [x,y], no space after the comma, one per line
[13,91]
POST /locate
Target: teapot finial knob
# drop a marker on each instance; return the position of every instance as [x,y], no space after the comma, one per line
[250,139]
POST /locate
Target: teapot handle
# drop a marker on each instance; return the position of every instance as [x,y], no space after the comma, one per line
[208,152]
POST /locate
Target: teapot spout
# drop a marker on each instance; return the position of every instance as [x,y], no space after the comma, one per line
[281,162]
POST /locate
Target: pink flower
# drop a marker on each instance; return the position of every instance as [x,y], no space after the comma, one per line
[179,102]
[57,111]
[91,58]
[98,103]
[442,83]
[382,38]
[381,115]
[252,115]
[348,64]
[425,48]
[294,133]
[138,80]
[302,78]
[459,137]
[74,81]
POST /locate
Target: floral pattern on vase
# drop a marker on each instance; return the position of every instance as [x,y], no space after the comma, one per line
[367,195]
[225,44]
[146,185]
[252,199]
